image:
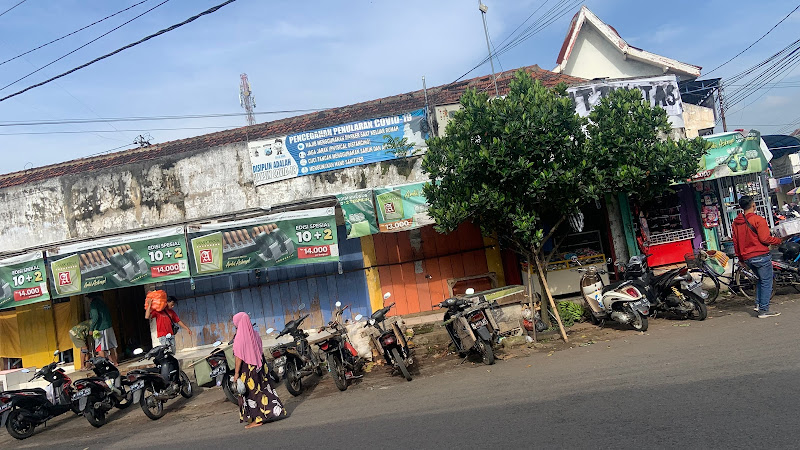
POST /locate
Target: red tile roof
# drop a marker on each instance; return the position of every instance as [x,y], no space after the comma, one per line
[440,95]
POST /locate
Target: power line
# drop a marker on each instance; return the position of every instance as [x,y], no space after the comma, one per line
[82,46]
[756,42]
[9,9]
[133,44]
[74,32]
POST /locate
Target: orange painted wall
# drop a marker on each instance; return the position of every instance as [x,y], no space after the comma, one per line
[415,265]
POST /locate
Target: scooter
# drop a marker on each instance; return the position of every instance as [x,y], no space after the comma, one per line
[621,302]
[295,359]
[153,386]
[21,411]
[222,363]
[392,341]
[471,325]
[97,395]
[344,364]
[674,291]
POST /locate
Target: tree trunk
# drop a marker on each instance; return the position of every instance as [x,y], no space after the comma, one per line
[546,291]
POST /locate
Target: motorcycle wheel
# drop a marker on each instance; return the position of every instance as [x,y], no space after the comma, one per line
[228,389]
[318,366]
[710,285]
[96,418]
[186,386]
[17,427]
[337,372]
[152,408]
[640,322]
[401,364]
[700,312]
[294,384]
[485,349]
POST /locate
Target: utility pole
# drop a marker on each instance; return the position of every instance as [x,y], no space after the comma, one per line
[483,8]
[246,99]
[722,108]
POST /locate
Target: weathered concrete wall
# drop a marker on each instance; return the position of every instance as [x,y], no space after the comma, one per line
[697,118]
[165,191]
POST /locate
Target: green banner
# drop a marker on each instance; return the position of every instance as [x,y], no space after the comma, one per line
[119,261]
[359,213]
[296,237]
[733,154]
[401,208]
[23,280]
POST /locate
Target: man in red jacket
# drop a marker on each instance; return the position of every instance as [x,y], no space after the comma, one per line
[751,240]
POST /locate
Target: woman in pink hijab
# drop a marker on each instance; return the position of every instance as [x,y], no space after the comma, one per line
[260,403]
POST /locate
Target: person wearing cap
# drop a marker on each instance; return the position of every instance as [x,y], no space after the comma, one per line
[164,323]
[101,328]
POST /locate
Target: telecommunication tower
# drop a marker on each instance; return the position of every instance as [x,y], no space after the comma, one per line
[247,100]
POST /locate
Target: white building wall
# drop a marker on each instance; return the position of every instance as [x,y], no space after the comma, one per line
[593,56]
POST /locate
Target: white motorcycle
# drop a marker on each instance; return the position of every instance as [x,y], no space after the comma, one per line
[620,301]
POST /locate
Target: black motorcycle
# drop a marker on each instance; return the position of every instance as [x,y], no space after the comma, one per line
[21,411]
[222,370]
[98,394]
[153,386]
[296,359]
[392,341]
[344,364]
[674,291]
[471,326]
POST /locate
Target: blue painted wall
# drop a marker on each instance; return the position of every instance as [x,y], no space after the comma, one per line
[271,296]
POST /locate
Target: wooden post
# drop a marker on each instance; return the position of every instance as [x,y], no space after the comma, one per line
[531,302]
[546,290]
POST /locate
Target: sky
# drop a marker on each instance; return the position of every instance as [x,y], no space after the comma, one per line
[320,54]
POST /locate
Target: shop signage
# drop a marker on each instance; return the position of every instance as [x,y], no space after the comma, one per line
[660,91]
[119,261]
[401,208]
[733,154]
[296,237]
[23,280]
[359,213]
[331,148]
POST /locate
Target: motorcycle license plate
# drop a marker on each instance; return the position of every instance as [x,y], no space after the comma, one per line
[219,370]
[481,323]
[5,408]
[693,286]
[138,385]
[639,304]
[81,394]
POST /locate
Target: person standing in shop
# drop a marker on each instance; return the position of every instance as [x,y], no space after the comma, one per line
[101,329]
[751,241]
[167,323]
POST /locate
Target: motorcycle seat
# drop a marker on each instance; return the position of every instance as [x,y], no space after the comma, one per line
[612,286]
[37,390]
[777,255]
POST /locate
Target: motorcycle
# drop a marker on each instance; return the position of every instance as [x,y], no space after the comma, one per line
[153,386]
[344,364]
[785,265]
[674,291]
[21,411]
[295,360]
[97,395]
[621,302]
[392,341]
[471,325]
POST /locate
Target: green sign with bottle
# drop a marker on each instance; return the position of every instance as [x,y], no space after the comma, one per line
[733,154]
[23,280]
[359,213]
[119,261]
[290,238]
[401,208]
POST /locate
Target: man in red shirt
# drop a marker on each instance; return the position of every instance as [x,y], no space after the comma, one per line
[164,321]
[751,241]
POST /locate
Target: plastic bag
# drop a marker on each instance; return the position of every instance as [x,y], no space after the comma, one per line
[157,300]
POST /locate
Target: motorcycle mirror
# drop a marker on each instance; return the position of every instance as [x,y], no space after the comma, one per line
[217,343]
[25,370]
[359,317]
[138,351]
[387,295]
[469,291]
[270,330]
[338,304]
[55,353]
[301,307]
[609,260]
[574,259]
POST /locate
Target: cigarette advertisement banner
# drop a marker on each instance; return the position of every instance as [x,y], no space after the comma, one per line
[332,148]
[401,208]
[359,213]
[119,261]
[733,154]
[23,280]
[296,237]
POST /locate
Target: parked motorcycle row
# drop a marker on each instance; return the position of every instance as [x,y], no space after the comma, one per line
[470,322]
[21,411]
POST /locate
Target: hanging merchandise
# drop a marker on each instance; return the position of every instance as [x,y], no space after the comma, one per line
[710,216]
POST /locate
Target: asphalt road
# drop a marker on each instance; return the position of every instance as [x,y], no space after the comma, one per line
[728,382]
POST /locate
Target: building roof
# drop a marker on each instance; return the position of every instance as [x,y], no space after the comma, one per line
[439,95]
[607,31]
